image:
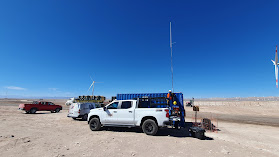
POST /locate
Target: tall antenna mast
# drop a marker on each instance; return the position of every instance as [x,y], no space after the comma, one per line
[171,59]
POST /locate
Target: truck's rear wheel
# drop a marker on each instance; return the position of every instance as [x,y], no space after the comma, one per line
[33,110]
[95,124]
[149,127]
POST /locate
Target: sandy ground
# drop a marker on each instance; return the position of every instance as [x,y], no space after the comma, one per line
[54,134]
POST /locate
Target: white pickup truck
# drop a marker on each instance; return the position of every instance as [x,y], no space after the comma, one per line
[129,113]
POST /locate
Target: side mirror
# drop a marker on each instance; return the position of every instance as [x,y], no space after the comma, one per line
[105,108]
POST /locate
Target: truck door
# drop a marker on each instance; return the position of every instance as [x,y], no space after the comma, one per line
[125,113]
[111,113]
[49,106]
[43,106]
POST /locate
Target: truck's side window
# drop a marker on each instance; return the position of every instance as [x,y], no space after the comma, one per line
[126,104]
[113,105]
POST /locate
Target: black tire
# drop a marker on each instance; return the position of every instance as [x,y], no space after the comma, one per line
[84,117]
[95,124]
[149,127]
[57,110]
[33,110]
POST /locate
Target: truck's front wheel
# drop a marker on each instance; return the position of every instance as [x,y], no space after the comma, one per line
[57,110]
[95,124]
[149,127]
[33,110]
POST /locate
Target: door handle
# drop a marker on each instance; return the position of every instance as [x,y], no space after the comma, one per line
[114,111]
[130,111]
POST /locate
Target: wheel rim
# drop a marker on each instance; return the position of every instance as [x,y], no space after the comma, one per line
[93,125]
[149,127]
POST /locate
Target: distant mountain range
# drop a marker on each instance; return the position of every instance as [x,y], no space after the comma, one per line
[30,97]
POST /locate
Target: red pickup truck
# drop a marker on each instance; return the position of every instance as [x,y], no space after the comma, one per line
[40,106]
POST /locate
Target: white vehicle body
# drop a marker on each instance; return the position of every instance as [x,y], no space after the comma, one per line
[81,110]
[126,113]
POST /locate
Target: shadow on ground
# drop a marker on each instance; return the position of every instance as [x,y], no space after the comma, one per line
[181,133]
[79,119]
[38,113]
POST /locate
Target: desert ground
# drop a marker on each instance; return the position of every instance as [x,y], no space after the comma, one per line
[246,128]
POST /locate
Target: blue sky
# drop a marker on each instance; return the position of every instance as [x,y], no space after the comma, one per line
[223,48]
